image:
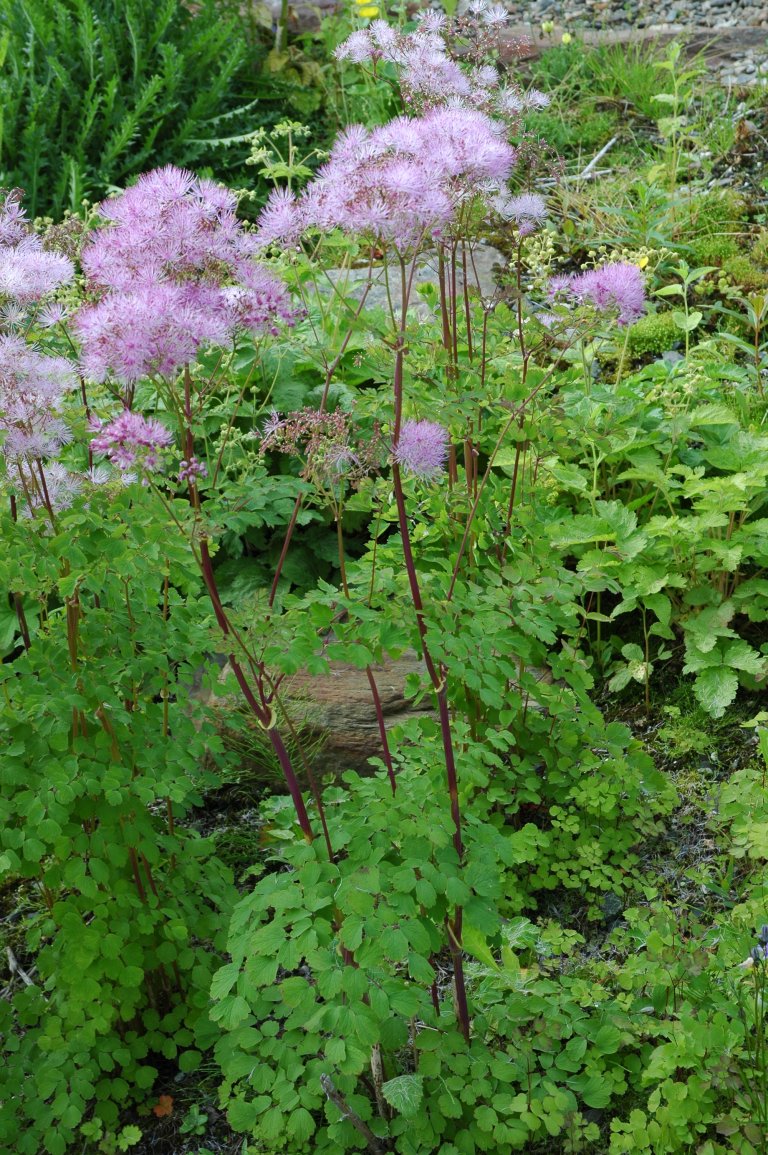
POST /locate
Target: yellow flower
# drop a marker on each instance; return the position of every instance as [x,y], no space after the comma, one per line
[548,27]
[566,38]
[367,10]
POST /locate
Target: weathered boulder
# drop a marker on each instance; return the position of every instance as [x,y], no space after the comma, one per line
[334,712]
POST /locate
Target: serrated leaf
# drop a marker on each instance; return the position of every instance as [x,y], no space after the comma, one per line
[405,1094]
[224,980]
[231,1012]
[715,689]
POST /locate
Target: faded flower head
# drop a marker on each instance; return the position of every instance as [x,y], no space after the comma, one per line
[132,440]
[326,443]
[422,448]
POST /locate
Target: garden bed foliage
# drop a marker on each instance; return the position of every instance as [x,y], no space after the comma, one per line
[538,923]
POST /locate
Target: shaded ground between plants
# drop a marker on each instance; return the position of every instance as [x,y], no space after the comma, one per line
[685,860]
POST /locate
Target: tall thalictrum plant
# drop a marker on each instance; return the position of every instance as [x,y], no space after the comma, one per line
[101,757]
[174,271]
[413,185]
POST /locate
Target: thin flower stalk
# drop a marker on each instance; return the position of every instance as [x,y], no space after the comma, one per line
[437,676]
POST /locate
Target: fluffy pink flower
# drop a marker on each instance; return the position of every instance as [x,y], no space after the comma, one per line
[32,390]
[153,328]
[61,487]
[260,302]
[177,271]
[422,448]
[131,439]
[279,218]
[527,206]
[27,271]
[357,48]
[403,179]
[168,225]
[615,287]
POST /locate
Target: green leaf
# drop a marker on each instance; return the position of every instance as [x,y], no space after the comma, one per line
[300,1125]
[405,1094]
[189,1061]
[689,323]
[473,941]
[231,1012]
[715,689]
[593,1089]
[607,1040]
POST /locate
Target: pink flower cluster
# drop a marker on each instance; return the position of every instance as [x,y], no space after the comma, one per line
[130,440]
[429,74]
[175,270]
[399,182]
[27,271]
[422,448]
[617,287]
[32,390]
[33,386]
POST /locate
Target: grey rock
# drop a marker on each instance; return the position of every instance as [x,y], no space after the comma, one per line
[482,277]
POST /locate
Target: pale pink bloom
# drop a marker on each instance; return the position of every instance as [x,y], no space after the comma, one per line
[527,208]
[154,328]
[131,439]
[178,271]
[432,20]
[617,287]
[280,218]
[422,448]
[32,390]
[61,486]
[510,102]
[27,270]
[357,48]
[495,14]
[51,315]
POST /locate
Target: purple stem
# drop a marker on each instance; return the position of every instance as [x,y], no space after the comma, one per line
[437,678]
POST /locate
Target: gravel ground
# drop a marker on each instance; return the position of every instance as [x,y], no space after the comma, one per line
[732,33]
[656,15]
[735,53]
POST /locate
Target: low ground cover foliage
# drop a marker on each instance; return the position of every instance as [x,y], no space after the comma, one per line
[539,922]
